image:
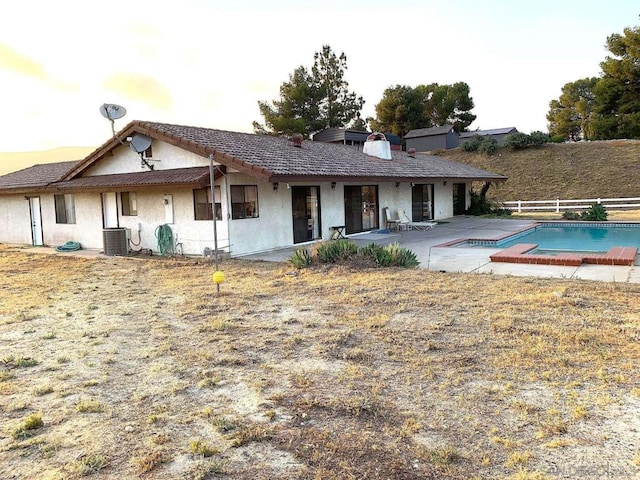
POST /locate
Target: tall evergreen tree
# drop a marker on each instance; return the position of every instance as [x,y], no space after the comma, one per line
[618,91]
[312,100]
[569,116]
[403,108]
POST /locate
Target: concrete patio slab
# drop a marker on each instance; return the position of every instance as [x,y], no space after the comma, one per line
[527,270]
[605,273]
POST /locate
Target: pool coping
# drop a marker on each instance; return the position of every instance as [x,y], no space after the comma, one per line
[519,253]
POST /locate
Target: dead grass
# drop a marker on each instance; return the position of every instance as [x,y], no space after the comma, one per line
[602,169]
[141,369]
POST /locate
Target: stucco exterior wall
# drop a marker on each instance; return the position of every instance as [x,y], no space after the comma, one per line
[15,216]
[165,157]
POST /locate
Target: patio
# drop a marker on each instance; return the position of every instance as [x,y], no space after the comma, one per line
[425,244]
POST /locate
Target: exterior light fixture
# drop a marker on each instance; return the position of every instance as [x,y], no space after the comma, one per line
[444,183]
[397,184]
[275,187]
[333,185]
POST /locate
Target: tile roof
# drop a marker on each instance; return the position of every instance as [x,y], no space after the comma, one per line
[277,160]
[35,177]
[177,176]
[428,132]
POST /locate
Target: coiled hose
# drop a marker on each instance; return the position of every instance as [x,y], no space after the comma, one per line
[68,247]
[166,245]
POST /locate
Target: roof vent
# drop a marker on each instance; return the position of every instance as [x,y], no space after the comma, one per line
[377,146]
[297,140]
[412,152]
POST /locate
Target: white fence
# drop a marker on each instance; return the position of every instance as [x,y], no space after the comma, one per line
[571,205]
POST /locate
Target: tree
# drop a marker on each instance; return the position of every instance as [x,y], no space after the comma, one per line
[569,115]
[399,111]
[311,101]
[297,111]
[448,104]
[339,107]
[617,109]
[403,108]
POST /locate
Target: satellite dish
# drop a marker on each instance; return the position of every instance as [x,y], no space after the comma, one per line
[112,111]
[140,143]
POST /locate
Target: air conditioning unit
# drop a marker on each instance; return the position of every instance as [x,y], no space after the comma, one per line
[115,241]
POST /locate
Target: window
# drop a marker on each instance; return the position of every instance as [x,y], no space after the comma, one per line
[129,204]
[202,204]
[244,201]
[65,208]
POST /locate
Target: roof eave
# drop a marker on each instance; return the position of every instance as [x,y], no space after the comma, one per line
[137,126]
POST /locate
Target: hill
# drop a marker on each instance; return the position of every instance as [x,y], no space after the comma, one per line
[14,161]
[602,169]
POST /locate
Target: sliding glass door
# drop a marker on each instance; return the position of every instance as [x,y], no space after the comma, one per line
[360,208]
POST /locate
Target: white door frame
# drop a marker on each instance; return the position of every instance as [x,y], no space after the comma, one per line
[36,221]
[110,210]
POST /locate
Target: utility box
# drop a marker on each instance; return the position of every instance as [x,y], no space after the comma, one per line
[115,241]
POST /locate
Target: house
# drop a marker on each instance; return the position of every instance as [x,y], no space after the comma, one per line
[269,192]
[445,137]
[434,138]
[353,137]
[499,134]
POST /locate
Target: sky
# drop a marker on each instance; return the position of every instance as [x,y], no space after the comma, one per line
[207,63]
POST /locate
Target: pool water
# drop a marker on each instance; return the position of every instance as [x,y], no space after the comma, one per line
[572,238]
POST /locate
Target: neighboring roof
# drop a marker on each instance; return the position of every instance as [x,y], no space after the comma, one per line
[35,177]
[429,132]
[178,176]
[274,159]
[495,131]
[341,134]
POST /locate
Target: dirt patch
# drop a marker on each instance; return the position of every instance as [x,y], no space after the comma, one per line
[137,368]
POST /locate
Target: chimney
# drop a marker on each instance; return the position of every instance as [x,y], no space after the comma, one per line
[297,140]
[412,152]
[377,146]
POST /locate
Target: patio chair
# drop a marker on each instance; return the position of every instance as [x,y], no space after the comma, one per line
[405,222]
[391,223]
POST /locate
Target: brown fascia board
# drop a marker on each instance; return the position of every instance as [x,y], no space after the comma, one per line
[102,151]
[344,179]
[131,187]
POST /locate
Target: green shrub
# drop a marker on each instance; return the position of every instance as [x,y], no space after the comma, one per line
[377,253]
[569,215]
[595,213]
[336,250]
[488,146]
[402,257]
[539,138]
[483,144]
[557,139]
[392,255]
[519,140]
[301,258]
[472,144]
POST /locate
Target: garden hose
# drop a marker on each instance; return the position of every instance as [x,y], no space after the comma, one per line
[68,247]
[166,245]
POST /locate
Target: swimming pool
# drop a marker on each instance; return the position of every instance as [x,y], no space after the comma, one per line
[569,237]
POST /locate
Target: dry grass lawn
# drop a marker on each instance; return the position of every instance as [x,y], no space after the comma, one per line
[136,368]
[602,169]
